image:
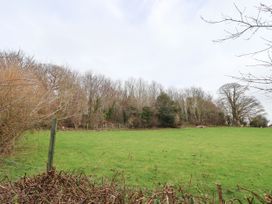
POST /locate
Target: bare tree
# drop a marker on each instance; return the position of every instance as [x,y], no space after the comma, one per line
[247,25]
[197,107]
[238,106]
[31,93]
[23,98]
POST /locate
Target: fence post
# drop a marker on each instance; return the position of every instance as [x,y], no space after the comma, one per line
[51,144]
[220,194]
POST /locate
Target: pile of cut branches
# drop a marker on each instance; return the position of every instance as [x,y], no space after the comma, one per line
[63,187]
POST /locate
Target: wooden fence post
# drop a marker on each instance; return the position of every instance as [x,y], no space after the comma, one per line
[220,194]
[51,144]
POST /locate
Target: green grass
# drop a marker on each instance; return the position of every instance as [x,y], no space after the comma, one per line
[228,156]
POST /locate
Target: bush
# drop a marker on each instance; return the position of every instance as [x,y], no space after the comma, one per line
[259,121]
[20,92]
[167,111]
[147,117]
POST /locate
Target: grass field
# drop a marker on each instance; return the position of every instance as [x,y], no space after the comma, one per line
[202,157]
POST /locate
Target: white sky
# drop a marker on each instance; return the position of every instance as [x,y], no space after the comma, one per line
[160,40]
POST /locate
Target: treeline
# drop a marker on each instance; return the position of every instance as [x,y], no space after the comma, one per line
[32,93]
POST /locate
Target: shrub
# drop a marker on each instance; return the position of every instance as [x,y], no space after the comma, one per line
[17,90]
[147,117]
[23,98]
[167,111]
[259,121]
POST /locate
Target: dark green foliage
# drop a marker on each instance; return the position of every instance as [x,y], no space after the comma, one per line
[259,121]
[166,111]
[147,116]
[110,112]
[166,117]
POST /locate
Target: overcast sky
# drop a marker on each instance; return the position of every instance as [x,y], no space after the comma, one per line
[157,40]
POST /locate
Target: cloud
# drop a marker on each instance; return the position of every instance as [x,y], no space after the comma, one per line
[161,40]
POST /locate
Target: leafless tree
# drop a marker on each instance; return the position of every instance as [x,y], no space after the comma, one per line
[31,93]
[247,25]
[237,105]
[23,98]
[197,107]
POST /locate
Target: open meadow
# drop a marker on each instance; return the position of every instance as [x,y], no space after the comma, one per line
[199,158]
